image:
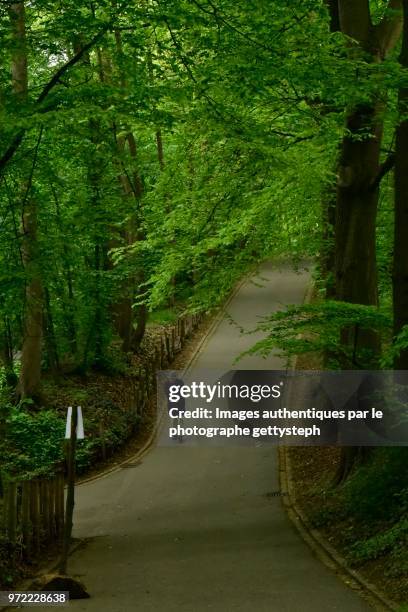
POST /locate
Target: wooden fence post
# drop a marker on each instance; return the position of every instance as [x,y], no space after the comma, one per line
[11,513]
[53,509]
[25,518]
[70,503]
[48,509]
[35,514]
[59,504]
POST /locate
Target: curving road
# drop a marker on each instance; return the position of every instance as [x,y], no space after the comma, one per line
[196,529]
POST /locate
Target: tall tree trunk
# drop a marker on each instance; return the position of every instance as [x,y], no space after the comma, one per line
[359,164]
[68,305]
[400,271]
[132,190]
[358,187]
[142,312]
[356,212]
[122,309]
[30,377]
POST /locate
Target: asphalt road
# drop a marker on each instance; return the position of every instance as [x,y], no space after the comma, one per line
[197,529]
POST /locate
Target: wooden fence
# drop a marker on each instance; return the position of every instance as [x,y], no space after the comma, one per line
[33,515]
[167,347]
[32,511]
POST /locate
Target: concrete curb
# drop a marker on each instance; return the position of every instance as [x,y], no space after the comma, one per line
[116,468]
[320,546]
[315,539]
[217,320]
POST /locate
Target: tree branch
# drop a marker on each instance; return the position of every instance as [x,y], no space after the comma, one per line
[384,168]
[74,60]
[221,18]
[18,138]
[11,149]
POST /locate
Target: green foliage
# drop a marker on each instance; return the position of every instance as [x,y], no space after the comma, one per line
[379,490]
[249,111]
[163,316]
[235,96]
[393,540]
[317,327]
[164,150]
[370,510]
[33,444]
[400,342]
[8,574]
[115,432]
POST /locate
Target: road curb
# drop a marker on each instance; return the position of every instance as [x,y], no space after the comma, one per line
[320,546]
[216,321]
[314,538]
[116,468]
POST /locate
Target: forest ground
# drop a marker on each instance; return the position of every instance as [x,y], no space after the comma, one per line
[354,518]
[200,528]
[328,510]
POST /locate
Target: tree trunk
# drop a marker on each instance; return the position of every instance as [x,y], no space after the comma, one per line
[30,377]
[132,190]
[139,332]
[122,308]
[356,213]
[19,58]
[358,187]
[327,249]
[68,305]
[400,271]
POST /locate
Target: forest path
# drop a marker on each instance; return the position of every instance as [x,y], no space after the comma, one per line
[193,529]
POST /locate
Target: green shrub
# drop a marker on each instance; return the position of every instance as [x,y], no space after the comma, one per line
[8,574]
[378,491]
[393,540]
[316,327]
[33,443]
[163,317]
